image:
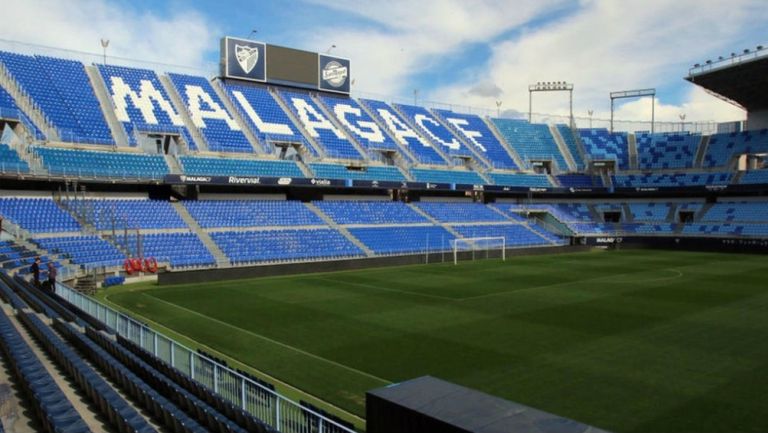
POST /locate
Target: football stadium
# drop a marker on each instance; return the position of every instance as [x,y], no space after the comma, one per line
[262,249]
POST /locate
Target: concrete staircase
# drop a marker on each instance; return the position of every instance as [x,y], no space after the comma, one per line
[173,164]
[563,148]
[703,211]
[238,116]
[107,106]
[628,215]
[27,105]
[671,215]
[221,259]
[181,108]
[506,145]
[632,147]
[305,169]
[701,151]
[328,220]
[434,221]
[300,126]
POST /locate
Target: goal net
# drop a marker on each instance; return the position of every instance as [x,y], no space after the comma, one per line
[480,247]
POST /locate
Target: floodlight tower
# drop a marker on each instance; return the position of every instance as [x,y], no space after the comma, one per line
[550,86]
[636,94]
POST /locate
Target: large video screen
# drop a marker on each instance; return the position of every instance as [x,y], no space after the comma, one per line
[289,65]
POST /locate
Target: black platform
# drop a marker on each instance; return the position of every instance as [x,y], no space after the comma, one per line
[428,404]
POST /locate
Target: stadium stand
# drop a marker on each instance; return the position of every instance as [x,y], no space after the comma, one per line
[89,163]
[206,166]
[520,179]
[579,180]
[755,177]
[62,91]
[532,141]
[476,132]
[430,128]
[665,151]
[372,172]
[650,211]
[285,245]
[142,104]
[320,127]
[447,176]
[603,145]
[38,215]
[357,122]
[723,148]
[515,235]
[10,111]
[420,147]
[208,114]
[738,211]
[84,250]
[11,162]
[404,239]
[670,180]
[181,250]
[251,213]
[107,214]
[570,142]
[370,212]
[461,212]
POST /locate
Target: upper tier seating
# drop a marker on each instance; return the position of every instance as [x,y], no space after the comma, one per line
[461,212]
[373,172]
[532,141]
[447,176]
[91,163]
[38,215]
[515,235]
[405,239]
[755,177]
[208,113]
[420,147]
[370,212]
[520,179]
[9,110]
[285,245]
[723,147]
[649,211]
[477,134]
[670,180]
[661,151]
[434,131]
[738,211]
[264,116]
[135,214]
[142,103]
[251,213]
[570,141]
[84,250]
[579,180]
[319,126]
[11,162]
[356,121]
[205,166]
[601,144]
[63,92]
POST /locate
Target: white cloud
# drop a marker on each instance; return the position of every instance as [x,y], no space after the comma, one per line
[180,38]
[614,45]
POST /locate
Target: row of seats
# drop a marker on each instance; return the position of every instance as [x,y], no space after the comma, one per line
[285,245]
[666,150]
[460,212]
[206,166]
[475,131]
[251,213]
[671,180]
[532,141]
[88,250]
[11,162]
[404,239]
[370,212]
[87,163]
[600,144]
[38,215]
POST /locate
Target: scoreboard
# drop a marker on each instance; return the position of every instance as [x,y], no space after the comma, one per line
[243,59]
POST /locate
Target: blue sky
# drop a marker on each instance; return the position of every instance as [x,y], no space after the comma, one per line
[463,52]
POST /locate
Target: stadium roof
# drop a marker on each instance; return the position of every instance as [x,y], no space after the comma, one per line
[741,80]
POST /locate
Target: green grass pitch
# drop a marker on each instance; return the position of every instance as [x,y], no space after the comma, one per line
[630,341]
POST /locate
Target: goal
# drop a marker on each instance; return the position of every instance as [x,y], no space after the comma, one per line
[480,247]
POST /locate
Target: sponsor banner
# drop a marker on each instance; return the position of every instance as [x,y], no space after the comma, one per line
[243,59]
[691,243]
[385,184]
[252,181]
[334,74]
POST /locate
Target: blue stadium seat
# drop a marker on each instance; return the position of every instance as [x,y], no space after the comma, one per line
[319,126]
[251,213]
[461,212]
[447,176]
[569,137]
[738,211]
[108,214]
[724,147]
[666,150]
[434,131]
[207,166]
[477,133]
[579,180]
[180,249]
[11,162]
[208,113]
[671,180]
[285,245]
[520,179]
[38,215]
[10,111]
[755,177]
[404,239]
[532,141]
[603,145]
[420,147]
[650,211]
[357,122]
[90,163]
[370,212]
[88,250]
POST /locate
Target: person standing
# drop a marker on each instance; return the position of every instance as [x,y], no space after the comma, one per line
[36,272]
[52,276]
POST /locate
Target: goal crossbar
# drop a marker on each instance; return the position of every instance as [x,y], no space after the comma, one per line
[479,244]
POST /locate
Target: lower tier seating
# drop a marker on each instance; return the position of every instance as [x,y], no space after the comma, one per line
[404,239]
[285,245]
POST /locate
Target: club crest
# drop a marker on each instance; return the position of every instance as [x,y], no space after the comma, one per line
[247,57]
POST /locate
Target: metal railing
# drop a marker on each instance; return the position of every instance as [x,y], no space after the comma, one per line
[279,412]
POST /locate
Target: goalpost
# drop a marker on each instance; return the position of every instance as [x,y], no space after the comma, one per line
[486,244]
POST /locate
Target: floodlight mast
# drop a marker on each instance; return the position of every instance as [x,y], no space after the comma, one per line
[636,94]
[550,86]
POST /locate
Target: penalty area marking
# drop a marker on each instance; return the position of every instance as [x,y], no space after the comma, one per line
[279,343]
